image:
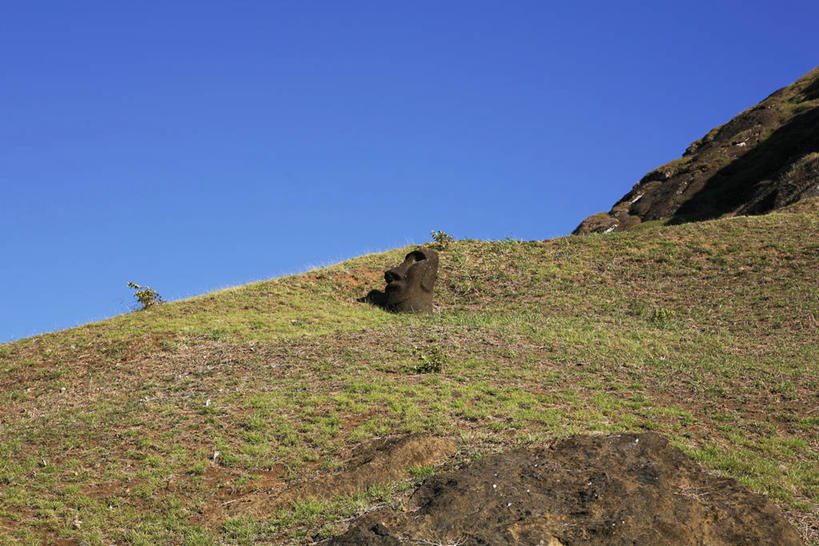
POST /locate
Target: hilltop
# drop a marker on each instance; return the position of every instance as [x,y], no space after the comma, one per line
[159,425]
[765,158]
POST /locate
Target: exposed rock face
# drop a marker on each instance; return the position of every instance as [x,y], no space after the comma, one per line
[409,284]
[613,490]
[763,159]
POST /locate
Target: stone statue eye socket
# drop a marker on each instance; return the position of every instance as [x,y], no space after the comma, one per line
[418,256]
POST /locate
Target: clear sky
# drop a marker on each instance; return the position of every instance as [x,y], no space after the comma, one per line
[192,146]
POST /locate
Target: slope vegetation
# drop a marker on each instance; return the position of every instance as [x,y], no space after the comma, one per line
[153,427]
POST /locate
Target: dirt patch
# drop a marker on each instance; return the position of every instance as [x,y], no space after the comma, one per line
[377,462]
[618,489]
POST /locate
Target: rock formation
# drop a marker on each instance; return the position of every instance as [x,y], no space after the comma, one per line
[409,285]
[763,159]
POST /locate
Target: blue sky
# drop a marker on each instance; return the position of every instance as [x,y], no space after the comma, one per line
[197,145]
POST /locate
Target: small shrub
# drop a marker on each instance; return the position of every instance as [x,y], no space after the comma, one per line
[442,239]
[198,468]
[430,360]
[661,315]
[145,295]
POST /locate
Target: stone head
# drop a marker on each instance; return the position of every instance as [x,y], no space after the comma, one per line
[410,284]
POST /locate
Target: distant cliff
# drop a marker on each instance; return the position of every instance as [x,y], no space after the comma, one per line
[763,159]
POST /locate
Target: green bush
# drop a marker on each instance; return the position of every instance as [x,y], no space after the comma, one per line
[442,238]
[430,360]
[145,295]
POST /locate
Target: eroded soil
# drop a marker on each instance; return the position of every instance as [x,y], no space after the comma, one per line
[377,462]
[615,489]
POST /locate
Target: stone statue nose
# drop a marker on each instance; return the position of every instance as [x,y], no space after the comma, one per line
[393,275]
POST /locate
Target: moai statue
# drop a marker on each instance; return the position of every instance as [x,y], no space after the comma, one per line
[409,285]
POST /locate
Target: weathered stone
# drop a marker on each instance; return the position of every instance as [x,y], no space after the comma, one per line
[409,285]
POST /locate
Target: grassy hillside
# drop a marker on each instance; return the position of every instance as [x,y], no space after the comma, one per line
[705,332]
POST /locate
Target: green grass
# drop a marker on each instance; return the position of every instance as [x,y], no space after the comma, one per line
[705,332]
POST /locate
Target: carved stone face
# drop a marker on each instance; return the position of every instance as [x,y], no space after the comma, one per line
[409,285]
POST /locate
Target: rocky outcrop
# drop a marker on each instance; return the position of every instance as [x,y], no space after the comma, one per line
[765,158]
